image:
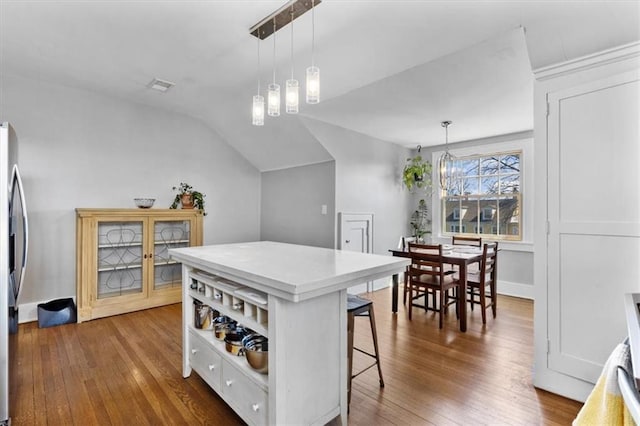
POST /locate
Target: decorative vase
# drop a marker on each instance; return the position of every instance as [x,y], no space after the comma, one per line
[186,200]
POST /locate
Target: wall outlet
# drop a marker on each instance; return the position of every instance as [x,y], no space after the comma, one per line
[324,209]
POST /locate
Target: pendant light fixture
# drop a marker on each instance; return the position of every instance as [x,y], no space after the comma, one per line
[257,114]
[313,72]
[291,94]
[273,97]
[268,26]
[446,164]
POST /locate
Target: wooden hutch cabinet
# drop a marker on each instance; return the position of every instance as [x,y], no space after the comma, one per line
[122,260]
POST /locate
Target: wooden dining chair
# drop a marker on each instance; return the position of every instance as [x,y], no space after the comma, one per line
[459,240]
[481,285]
[427,276]
[403,245]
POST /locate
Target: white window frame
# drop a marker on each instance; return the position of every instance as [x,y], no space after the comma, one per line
[484,148]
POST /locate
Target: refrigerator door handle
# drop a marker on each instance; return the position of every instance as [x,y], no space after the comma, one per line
[16,185]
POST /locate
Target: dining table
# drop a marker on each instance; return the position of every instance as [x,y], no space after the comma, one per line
[459,255]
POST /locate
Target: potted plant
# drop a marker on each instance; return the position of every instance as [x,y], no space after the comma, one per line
[417,173]
[420,222]
[188,198]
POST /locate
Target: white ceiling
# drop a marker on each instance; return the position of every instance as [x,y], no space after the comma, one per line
[391,69]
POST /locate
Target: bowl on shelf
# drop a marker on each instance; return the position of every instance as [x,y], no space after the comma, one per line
[256,350]
[144,203]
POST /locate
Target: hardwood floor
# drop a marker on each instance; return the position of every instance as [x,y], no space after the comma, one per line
[126,370]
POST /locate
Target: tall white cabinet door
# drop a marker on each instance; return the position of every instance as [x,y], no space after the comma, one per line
[594,220]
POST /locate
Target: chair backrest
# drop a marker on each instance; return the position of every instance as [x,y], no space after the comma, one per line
[459,240]
[488,265]
[426,259]
[404,241]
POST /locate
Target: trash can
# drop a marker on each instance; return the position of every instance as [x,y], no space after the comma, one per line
[56,312]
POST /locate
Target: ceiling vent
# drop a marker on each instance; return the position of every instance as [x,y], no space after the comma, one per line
[160,85]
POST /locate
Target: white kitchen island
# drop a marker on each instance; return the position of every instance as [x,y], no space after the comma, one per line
[296,296]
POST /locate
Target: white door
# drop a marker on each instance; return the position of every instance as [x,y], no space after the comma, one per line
[593,220]
[356,234]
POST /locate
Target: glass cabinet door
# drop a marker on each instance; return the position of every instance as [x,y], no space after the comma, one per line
[169,234]
[120,257]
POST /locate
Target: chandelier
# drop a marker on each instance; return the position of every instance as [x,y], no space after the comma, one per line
[446,164]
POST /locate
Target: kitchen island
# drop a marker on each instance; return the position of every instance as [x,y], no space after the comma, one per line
[294,295]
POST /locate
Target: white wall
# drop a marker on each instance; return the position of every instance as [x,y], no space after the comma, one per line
[291,205]
[82,149]
[368,180]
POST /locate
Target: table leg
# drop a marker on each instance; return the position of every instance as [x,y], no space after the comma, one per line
[462,296]
[394,294]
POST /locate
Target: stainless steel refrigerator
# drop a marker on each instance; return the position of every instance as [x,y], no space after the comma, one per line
[13,258]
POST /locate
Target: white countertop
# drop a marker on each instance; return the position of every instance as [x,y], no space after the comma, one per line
[290,271]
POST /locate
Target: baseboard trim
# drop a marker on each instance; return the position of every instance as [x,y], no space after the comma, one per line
[524,291]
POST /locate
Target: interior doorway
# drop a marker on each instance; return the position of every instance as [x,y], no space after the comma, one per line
[356,234]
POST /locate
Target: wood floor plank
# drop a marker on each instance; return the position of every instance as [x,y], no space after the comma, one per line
[127,369]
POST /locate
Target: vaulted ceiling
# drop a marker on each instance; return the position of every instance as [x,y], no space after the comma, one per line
[391,69]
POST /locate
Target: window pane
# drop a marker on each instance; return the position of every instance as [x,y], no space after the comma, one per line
[470,186]
[468,167]
[509,217]
[489,166]
[450,213]
[509,163]
[488,213]
[489,185]
[509,184]
[456,188]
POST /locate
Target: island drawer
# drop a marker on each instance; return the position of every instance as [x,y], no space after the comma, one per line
[244,395]
[204,360]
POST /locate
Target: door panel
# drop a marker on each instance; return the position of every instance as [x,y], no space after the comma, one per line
[594,220]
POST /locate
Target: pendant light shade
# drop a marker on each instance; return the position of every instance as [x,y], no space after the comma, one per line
[273,97]
[313,72]
[292,86]
[446,165]
[257,110]
[292,96]
[273,100]
[313,85]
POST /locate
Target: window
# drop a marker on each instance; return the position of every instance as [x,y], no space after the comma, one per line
[485,195]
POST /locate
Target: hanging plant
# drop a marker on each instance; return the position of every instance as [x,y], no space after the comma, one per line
[417,173]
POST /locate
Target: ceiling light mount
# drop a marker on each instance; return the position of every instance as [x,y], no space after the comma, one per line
[281,17]
[160,85]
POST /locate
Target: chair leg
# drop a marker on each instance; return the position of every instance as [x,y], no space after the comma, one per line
[494,298]
[433,298]
[372,322]
[410,301]
[350,333]
[406,283]
[483,303]
[442,305]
